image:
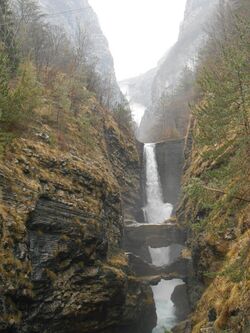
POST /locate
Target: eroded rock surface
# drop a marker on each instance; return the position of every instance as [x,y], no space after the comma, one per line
[138,237]
[61,221]
[170,161]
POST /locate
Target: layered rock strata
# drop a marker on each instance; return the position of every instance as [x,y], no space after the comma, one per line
[61,225]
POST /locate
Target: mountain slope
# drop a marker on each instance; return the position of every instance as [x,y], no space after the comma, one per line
[161,120]
[215,204]
[69,175]
[75,14]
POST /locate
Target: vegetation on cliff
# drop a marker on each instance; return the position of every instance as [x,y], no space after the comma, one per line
[217,184]
[68,169]
[40,67]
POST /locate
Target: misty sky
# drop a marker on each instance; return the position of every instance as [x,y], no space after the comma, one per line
[139,31]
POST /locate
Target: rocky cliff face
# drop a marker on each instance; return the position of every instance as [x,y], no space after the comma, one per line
[70,15]
[163,120]
[169,156]
[219,289]
[139,88]
[61,224]
[185,52]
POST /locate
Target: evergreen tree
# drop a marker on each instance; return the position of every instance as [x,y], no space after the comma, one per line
[7,36]
[222,116]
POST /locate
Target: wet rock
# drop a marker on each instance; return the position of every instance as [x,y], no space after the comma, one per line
[180,267]
[141,267]
[170,173]
[153,280]
[138,237]
[154,235]
[180,300]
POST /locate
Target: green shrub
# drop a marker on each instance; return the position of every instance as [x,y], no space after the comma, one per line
[18,98]
[122,115]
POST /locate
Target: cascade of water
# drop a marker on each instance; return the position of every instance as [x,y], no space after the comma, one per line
[137,109]
[156,211]
[165,255]
[166,318]
[165,309]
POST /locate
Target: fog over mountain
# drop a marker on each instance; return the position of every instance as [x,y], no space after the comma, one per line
[72,14]
[148,89]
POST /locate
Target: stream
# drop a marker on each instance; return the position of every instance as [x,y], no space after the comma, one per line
[156,211]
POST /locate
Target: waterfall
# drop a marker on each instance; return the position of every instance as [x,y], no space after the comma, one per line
[165,255]
[137,109]
[156,211]
[165,309]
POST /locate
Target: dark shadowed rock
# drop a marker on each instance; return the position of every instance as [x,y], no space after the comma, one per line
[61,225]
[180,300]
[170,160]
[141,267]
[154,235]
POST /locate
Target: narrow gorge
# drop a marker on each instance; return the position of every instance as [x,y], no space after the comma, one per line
[162,261]
[124,206]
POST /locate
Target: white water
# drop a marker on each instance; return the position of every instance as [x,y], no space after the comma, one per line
[165,309]
[159,256]
[137,110]
[156,211]
[165,255]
